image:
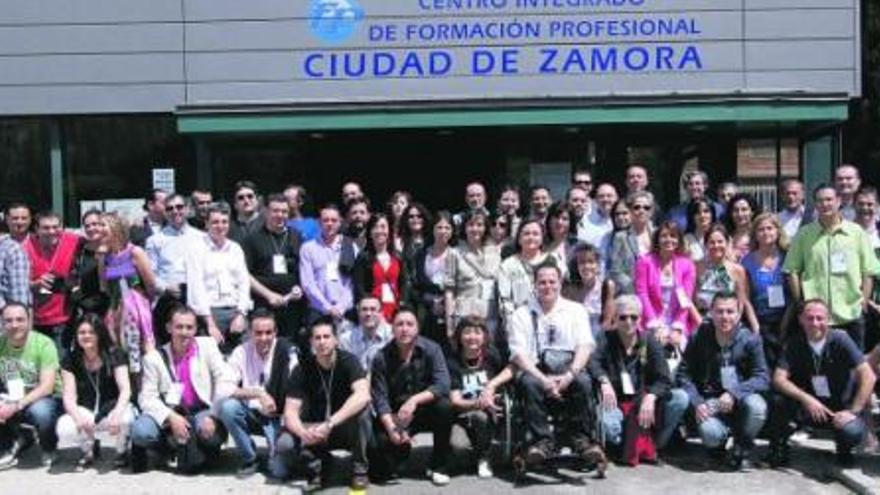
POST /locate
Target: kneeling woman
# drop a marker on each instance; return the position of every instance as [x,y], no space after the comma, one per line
[96,392]
[476,372]
[634,377]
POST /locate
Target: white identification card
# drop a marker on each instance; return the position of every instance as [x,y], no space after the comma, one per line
[279,264]
[387,294]
[729,380]
[684,302]
[438,278]
[174,395]
[775,296]
[487,289]
[838,262]
[15,389]
[820,386]
[626,384]
[332,271]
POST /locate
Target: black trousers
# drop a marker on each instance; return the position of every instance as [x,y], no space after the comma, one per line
[575,407]
[435,417]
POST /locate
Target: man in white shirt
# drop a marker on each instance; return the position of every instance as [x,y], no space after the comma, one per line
[597,224]
[370,335]
[217,281]
[167,251]
[261,367]
[793,213]
[551,343]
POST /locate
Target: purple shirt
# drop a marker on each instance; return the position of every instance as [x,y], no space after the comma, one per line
[324,285]
[189,398]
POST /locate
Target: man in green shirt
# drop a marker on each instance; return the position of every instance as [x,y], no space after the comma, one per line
[832,259]
[28,378]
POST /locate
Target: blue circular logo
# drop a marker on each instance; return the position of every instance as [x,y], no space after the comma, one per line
[334,21]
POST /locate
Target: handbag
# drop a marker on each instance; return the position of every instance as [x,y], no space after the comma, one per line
[552,361]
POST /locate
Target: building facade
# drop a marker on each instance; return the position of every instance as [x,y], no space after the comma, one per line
[417,94]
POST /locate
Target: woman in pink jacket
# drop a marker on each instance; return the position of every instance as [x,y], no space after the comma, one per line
[664,282]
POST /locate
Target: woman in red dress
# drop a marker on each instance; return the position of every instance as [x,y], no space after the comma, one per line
[378,271]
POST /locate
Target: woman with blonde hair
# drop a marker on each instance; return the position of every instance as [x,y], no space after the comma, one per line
[128,279]
[767,288]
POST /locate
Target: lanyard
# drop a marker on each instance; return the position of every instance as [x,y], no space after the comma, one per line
[95,381]
[279,248]
[328,388]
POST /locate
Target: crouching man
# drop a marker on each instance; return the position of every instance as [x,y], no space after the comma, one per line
[327,408]
[184,382]
[724,373]
[823,381]
[261,366]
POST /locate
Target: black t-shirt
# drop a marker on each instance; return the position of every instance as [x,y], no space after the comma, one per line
[471,378]
[260,248]
[310,383]
[839,358]
[89,385]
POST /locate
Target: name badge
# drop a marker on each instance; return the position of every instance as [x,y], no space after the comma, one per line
[627,383]
[729,379]
[332,272]
[487,289]
[387,294]
[174,395]
[684,302]
[15,389]
[438,278]
[775,296]
[820,387]
[838,262]
[279,264]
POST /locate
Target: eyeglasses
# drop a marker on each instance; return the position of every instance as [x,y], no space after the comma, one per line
[175,207]
[584,182]
[627,317]
[621,212]
[501,224]
[245,196]
[641,207]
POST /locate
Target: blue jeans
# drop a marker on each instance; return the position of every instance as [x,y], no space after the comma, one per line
[745,421]
[42,415]
[241,421]
[674,408]
[147,434]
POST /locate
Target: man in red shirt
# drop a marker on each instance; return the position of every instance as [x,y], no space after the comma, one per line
[52,252]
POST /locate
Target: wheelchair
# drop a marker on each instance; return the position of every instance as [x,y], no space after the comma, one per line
[513,437]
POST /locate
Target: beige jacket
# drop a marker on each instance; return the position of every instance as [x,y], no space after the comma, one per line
[212,378]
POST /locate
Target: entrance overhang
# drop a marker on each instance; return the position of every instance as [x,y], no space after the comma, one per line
[225,119]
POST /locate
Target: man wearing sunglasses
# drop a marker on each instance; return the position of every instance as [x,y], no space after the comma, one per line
[247,218]
[167,251]
[550,343]
[634,376]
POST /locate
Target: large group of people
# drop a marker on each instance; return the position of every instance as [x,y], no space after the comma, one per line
[359,327]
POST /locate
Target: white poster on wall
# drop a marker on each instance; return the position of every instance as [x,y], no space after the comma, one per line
[163,178]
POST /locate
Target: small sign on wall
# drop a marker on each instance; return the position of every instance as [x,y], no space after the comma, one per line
[163,178]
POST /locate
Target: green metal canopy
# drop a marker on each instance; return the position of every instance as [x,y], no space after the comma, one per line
[200,121]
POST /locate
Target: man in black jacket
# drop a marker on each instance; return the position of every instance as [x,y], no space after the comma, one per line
[634,376]
[410,391]
[261,365]
[724,373]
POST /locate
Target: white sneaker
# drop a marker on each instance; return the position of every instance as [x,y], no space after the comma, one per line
[484,470]
[9,458]
[47,459]
[438,478]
